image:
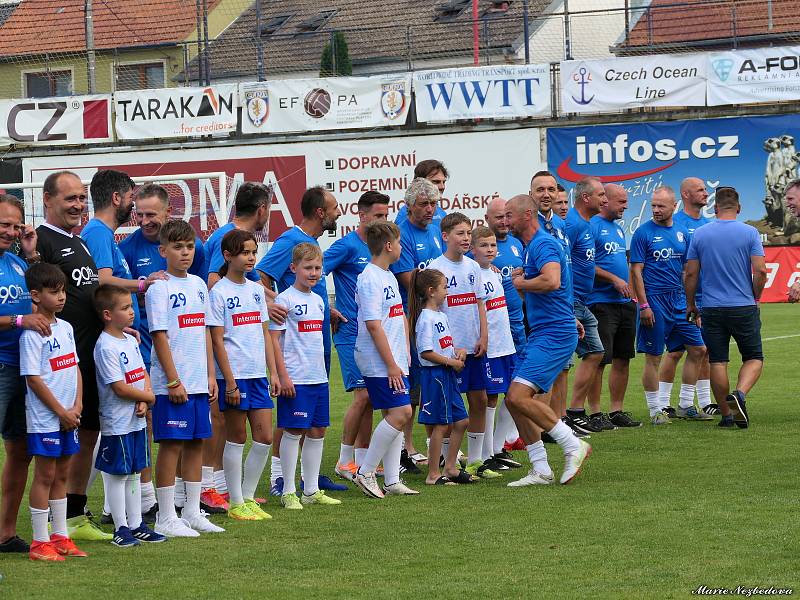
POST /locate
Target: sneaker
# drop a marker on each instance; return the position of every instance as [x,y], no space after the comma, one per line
[399,489]
[710,409]
[242,512]
[368,484]
[149,516]
[623,419]
[692,414]
[532,478]
[144,534]
[66,547]
[660,418]
[669,411]
[213,503]
[580,422]
[291,501]
[507,459]
[378,471]
[254,507]
[574,462]
[44,551]
[601,422]
[736,403]
[480,469]
[201,524]
[123,538]
[347,471]
[319,497]
[407,465]
[327,484]
[84,529]
[276,489]
[462,458]
[106,519]
[726,422]
[495,465]
[174,527]
[568,422]
[15,544]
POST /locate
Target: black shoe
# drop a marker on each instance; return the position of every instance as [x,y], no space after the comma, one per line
[579,422]
[602,422]
[736,403]
[710,409]
[568,422]
[670,412]
[548,439]
[149,517]
[106,519]
[506,458]
[495,465]
[212,510]
[407,465]
[726,422]
[623,419]
[15,544]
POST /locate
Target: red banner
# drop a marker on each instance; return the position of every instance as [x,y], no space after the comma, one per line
[783,271]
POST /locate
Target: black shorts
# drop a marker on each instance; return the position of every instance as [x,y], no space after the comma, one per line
[743,323]
[12,403]
[616,326]
[90,415]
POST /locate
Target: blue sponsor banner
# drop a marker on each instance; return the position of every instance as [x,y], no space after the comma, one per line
[756,155]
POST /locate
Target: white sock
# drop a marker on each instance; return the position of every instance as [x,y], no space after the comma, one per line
[207,481]
[39,524]
[653,402]
[445,447]
[391,461]
[311,459]
[253,468]
[219,482]
[538,457]
[94,472]
[148,495]
[664,393]
[687,396]
[503,421]
[232,468]
[512,434]
[192,506]
[382,438]
[106,503]
[474,447]
[166,503]
[290,447]
[58,510]
[275,469]
[703,392]
[180,493]
[346,454]
[360,454]
[488,437]
[133,500]
[114,486]
[564,437]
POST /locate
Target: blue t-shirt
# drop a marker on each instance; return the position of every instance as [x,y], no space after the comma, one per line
[556,227]
[14,300]
[550,312]
[609,255]
[345,259]
[213,253]
[509,257]
[143,259]
[581,242]
[724,249]
[690,225]
[420,247]
[662,250]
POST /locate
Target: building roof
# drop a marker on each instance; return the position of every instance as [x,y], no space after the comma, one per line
[50,26]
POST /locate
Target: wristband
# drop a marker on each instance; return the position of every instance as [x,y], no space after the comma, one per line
[18,322]
[232,392]
[142,283]
[174,384]
[644,306]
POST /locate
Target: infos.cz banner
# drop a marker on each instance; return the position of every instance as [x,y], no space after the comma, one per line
[756,155]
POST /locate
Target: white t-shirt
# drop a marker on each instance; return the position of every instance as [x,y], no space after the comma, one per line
[241,308]
[464,289]
[500,341]
[118,360]
[179,306]
[433,333]
[302,342]
[378,299]
[55,360]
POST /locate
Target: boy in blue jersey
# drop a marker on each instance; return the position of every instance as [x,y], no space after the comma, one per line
[345,260]
[658,252]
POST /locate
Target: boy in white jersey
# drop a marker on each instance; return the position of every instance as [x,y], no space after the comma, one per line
[183,381]
[466,312]
[125,393]
[382,356]
[501,353]
[53,411]
[303,403]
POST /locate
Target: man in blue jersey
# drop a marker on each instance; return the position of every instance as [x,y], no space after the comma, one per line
[611,302]
[435,172]
[694,197]
[658,252]
[345,260]
[554,334]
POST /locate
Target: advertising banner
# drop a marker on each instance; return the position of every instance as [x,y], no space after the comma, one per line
[56,121]
[756,155]
[754,75]
[482,93]
[175,112]
[783,271]
[611,85]
[323,104]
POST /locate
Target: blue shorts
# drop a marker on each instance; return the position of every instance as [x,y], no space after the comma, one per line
[309,408]
[253,394]
[518,335]
[188,421]
[678,347]
[441,401]
[54,445]
[591,343]
[501,369]
[123,454]
[475,374]
[545,357]
[382,397]
[671,329]
[351,376]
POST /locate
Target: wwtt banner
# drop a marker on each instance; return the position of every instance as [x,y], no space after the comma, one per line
[754,75]
[175,112]
[56,121]
[591,86]
[323,104]
[483,93]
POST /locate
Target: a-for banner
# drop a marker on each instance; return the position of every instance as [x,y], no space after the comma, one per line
[175,112]
[325,104]
[611,85]
[483,93]
[754,75]
[56,121]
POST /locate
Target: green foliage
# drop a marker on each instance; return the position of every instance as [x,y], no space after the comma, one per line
[343,66]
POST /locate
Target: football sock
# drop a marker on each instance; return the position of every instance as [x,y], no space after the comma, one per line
[664,393]
[653,402]
[232,467]
[39,524]
[488,437]
[311,459]
[474,446]
[219,482]
[538,457]
[501,428]
[564,437]
[253,468]
[166,503]
[192,506]
[360,454]
[275,469]
[687,396]
[445,447]
[290,447]
[346,454]
[391,461]
[180,493]
[207,481]
[115,496]
[382,438]
[133,500]
[58,510]
[148,496]
[703,392]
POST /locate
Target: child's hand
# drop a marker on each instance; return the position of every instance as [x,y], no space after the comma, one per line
[178,395]
[141,409]
[395,375]
[70,420]
[461,354]
[274,386]
[481,346]
[457,364]
[213,390]
[287,387]
[232,394]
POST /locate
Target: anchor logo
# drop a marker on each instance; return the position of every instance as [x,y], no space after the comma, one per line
[583,78]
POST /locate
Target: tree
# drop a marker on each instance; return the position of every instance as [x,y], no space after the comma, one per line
[343,66]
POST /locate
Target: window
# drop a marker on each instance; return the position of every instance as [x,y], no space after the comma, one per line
[274,24]
[451,10]
[496,9]
[316,22]
[142,76]
[48,83]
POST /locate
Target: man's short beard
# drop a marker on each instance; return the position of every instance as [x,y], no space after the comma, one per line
[329,225]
